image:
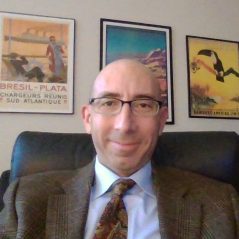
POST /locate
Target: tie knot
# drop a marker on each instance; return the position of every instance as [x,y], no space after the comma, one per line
[122,186]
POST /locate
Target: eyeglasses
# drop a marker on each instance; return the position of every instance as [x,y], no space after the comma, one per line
[113,106]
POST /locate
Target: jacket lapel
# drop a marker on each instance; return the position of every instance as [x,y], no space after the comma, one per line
[67,213]
[180,216]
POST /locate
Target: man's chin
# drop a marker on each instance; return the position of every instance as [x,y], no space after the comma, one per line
[125,168]
[124,156]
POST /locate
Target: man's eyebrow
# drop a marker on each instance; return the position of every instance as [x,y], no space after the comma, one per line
[144,96]
[108,94]
[117,95]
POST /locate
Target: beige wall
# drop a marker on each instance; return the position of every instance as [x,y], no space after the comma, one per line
[209,18]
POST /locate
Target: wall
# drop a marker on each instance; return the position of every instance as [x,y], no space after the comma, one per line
[209,18]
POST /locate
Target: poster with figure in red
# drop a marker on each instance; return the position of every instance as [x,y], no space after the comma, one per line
[36,66]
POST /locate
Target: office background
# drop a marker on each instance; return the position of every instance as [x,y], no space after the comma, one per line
[206,18]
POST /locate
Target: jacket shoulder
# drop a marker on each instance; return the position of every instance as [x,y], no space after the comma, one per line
[28,196]
[214,203]
[199,186]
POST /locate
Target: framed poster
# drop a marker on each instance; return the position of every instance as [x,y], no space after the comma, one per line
[36,66]
[213,78]
[147,43]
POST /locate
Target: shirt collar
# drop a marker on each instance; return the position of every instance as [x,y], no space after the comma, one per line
[104,178]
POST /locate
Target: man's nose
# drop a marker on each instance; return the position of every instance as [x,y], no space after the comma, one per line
[125,120]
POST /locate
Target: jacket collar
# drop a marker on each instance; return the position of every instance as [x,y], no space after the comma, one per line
[67,213]
[180,215]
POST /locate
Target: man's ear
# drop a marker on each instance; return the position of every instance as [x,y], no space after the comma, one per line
[163,118]
[86,117]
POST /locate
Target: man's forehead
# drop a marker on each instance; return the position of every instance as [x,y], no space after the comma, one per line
[125,76]
[125,88]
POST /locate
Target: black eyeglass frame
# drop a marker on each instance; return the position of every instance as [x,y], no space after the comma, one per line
[160,103]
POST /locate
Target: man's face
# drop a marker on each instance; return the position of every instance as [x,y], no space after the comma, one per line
[53,39]
[124,142]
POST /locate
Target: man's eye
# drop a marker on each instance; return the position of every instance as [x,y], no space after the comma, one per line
[145,105]
[108,103]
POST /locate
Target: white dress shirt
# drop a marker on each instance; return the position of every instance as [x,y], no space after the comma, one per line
[140,203]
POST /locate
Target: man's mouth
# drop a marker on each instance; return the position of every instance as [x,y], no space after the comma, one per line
[124,146]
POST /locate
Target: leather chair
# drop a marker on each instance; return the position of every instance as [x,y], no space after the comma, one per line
[213,154]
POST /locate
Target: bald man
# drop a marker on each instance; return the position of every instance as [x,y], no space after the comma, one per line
[124,117]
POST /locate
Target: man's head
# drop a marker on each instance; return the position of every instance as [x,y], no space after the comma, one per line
[13,55]
[125,139]
[52,39]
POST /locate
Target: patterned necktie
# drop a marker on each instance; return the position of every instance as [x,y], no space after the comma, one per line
[113,223]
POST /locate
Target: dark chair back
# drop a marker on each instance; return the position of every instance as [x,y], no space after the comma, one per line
[213,154]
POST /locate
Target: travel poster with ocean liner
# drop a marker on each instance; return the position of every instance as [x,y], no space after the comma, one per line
[213,78]
[36,66]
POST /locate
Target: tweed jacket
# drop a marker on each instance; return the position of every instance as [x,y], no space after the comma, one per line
[54,205]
